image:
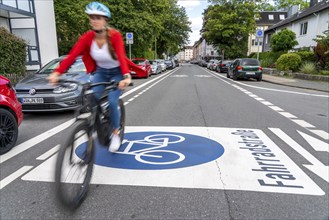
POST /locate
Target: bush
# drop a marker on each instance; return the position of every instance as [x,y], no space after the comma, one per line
[308,68]
[289,61]
[268,59]
[322,50]
[307,56]
[13,54]
[324,72]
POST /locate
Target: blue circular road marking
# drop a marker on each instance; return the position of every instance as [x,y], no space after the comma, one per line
[158,151]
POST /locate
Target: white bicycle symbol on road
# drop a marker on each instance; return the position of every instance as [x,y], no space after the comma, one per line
[158,141]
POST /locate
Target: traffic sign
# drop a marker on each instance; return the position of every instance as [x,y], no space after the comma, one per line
[259,33]
[130,38]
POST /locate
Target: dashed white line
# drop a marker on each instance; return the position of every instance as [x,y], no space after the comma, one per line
[14,176]
[303,123]
[287,115]
[266,103]
[276,108]
[320,133]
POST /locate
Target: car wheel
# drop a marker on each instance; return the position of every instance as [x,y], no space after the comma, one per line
[235,77]
[8,131]
[228,75]
[259,78]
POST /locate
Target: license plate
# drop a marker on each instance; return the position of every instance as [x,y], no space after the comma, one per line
[32,100]
[132,73]
[250,73]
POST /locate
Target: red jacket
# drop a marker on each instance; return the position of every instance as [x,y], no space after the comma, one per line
[82,47]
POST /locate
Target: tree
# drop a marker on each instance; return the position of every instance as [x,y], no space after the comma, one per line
[283,41]
[280,4]
[149,20]
[227,25]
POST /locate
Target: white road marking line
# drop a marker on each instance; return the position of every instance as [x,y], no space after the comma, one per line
[275,90]
[146,83]
[317,144]
[248,93]
[303,123]
[318,168]
[126,103]
[266,103]
[136,96]
[49,153]
[287,115]
[14,176]
[131,99]
[276,108]
[320,133]
[34,141]
[253,96]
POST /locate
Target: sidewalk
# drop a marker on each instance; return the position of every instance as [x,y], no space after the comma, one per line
[298,83]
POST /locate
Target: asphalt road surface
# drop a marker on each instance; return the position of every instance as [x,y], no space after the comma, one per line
[197,146]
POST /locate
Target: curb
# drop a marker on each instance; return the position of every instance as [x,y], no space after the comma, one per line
[300,87]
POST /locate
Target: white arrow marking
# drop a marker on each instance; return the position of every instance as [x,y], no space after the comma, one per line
[317,144]
[318,168]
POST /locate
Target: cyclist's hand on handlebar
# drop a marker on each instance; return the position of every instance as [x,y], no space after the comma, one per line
[53,77]
[124,83]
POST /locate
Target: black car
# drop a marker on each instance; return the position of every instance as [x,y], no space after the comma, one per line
[245,68]
[37,95]
[223,66]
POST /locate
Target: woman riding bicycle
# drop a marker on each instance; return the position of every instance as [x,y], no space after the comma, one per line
[104,56]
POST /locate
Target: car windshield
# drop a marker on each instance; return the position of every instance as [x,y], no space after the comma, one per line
[77,66]
[250,62]
[139,62]
[168,61]
[152,62]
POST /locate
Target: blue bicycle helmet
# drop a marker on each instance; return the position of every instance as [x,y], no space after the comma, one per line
[96,8]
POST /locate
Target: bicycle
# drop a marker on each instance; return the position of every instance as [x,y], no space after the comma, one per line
[79,149]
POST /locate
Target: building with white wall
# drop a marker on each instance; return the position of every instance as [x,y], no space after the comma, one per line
[307,24]
[34,21]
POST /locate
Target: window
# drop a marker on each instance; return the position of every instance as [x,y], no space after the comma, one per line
[281,17]
[271,17]
[303,28]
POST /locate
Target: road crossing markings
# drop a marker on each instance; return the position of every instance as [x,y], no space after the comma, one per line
[317,167]
[317,144]
[49,153]
[4,182]
[294,119]
[179,76]
[34,141]
[203,76]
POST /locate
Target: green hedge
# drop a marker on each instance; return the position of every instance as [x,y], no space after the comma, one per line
[268,59]
[307,56]
[289,61]
[13,54]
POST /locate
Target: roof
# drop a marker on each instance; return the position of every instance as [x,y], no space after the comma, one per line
[265,17]
[321,6]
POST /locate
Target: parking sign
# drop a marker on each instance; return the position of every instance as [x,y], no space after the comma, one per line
[129,38]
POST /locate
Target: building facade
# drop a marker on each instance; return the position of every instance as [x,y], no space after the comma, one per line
[266,20]
[306,24]
[34,21]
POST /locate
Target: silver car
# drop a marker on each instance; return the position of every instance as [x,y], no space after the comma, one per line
[37,95]
[155,66]
[163,65]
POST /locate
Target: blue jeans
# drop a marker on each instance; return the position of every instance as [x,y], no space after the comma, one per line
[107,75]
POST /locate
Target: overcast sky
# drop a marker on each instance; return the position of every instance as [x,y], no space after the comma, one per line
[194,9]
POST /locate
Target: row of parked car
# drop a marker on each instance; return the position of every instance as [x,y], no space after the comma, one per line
[247,68]
[35,94]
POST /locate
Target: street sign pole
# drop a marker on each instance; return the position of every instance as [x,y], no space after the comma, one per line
[130,51]
[257,39]
[259,36]
[129,41]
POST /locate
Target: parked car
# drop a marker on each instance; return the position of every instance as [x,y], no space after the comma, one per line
[145,65]
[11,115]
[245,68]
[162,64]
[209,63]
[223,66]
[155,66]
[170,64]
[37,95]
[214,65]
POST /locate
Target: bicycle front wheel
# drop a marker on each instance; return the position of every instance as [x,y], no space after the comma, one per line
[74,166]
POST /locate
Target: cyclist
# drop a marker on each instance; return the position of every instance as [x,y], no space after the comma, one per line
[104,56]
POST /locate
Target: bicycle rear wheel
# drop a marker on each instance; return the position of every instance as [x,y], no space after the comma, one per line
[74,166]
[122,119]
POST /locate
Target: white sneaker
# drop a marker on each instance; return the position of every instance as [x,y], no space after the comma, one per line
[115,143]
